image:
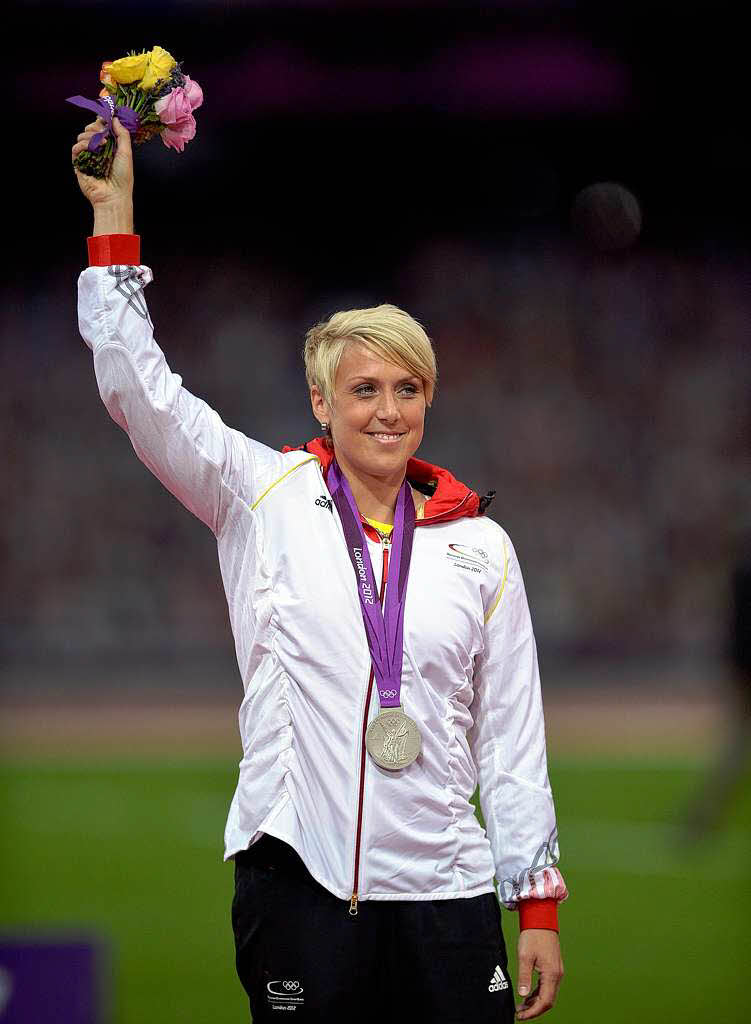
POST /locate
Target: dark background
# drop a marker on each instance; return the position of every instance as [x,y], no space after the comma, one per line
[440,117]
[429,155]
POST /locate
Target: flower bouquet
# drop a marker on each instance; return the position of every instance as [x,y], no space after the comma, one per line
[150,95]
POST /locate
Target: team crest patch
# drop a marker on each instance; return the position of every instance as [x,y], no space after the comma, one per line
[284,992]
[468,558]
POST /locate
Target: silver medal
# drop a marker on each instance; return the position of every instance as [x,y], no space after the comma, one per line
[393,739]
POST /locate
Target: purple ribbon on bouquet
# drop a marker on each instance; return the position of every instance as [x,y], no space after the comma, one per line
[106,109]
[384,628]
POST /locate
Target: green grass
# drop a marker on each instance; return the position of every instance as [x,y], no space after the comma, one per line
[655,929]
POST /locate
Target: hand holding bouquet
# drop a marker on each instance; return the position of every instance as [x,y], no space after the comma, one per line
[149,95]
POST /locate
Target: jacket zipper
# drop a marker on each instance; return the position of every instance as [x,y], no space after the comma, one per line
[385,545]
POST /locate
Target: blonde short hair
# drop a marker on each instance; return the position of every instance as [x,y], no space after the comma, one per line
[386,330]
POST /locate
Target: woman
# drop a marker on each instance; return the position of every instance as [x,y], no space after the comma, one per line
[363,881]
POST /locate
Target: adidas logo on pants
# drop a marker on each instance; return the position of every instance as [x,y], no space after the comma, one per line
[498,981]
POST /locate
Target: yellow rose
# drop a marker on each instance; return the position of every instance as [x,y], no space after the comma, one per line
[129,69]
[159,67]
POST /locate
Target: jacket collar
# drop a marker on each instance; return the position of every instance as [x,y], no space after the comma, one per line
[448,497]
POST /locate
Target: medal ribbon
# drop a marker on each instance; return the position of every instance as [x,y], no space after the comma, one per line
[384,628]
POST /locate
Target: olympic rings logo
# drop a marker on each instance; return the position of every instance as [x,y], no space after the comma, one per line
[285,991]
[387,693]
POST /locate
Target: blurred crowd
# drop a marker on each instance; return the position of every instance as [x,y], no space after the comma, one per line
[605,399]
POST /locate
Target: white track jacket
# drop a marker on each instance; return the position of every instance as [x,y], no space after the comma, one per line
[469,679]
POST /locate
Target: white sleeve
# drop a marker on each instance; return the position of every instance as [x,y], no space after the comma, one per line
[507,740]
[180,438]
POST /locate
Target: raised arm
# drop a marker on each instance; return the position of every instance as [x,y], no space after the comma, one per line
[178,436]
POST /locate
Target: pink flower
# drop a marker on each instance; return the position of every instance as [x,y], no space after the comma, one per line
[174,111]
[194,92]
[173,107]
[175,138]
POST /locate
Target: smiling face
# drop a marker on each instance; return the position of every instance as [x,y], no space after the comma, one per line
[377,416]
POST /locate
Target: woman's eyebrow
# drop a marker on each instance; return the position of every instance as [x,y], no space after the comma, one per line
[411,378]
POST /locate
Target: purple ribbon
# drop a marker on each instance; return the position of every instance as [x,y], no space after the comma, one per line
[384,628]
[106,109]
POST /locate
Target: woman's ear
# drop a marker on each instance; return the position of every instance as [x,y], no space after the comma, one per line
[319,405]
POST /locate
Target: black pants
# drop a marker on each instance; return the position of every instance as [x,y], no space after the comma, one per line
[300,955]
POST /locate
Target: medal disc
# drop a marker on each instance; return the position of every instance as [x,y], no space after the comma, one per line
[393,739]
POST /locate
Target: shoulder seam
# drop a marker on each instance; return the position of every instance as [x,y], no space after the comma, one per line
[257,502]
[497,601]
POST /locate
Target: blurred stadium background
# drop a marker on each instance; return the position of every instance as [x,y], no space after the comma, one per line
[432,155]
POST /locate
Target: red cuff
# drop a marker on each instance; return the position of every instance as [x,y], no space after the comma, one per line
[114,250]
[535,913]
